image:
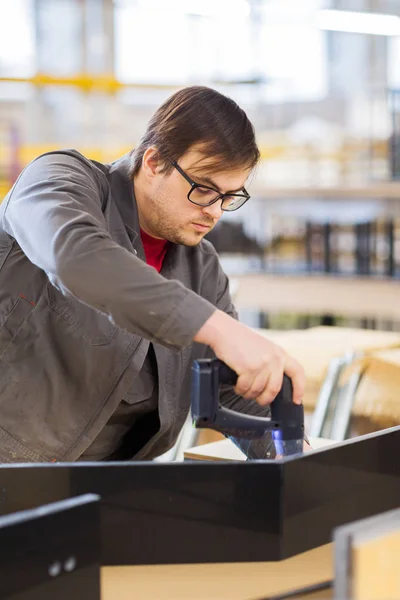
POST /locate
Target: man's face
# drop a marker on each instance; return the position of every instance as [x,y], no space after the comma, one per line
[165,211]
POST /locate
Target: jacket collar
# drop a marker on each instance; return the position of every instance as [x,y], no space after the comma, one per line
[121,180]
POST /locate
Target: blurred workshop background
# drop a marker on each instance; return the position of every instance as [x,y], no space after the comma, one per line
[314,258]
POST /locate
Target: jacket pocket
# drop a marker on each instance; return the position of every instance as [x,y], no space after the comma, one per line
[13,451]
[13,318]
[83,320]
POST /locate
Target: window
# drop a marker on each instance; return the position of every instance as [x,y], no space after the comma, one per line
[17,39]
[209,41]
[293,51]
[151,45]
[394,62]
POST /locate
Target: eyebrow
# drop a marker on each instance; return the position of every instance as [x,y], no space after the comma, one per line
[212,184]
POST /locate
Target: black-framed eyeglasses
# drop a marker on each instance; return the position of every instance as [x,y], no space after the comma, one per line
[202,195]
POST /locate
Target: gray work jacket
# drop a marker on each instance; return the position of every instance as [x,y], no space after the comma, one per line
[77,299]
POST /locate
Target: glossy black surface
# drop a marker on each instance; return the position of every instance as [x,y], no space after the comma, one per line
[52,552]
[337,486]
[221,512]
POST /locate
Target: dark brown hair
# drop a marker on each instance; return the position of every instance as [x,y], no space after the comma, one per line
[200,115]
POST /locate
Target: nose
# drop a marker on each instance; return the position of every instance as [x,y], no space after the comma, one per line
[214,211]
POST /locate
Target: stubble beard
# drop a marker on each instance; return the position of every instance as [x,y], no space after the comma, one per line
[176,234]
[162,224]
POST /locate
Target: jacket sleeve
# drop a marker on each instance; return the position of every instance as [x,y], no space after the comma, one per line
[54,213]
[259,448]
[256,448]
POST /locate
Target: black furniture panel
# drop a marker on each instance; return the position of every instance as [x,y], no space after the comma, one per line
[52,551]
[221,512]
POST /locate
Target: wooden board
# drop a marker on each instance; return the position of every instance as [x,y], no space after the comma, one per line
[314,349]
[367,558]
[235,581]
[376,568]
[387,190]
[377,396]
[226,450]
[359,297]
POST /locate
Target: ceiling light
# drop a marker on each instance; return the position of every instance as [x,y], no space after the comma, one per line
[358,22]
[202,8]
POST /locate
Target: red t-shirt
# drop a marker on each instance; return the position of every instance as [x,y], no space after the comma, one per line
[154,249]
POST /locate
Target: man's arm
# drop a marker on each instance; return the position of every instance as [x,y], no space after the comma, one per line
[256,448]
[54,213]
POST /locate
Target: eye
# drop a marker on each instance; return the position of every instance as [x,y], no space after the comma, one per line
[234,202]
[203,195]
[204,191]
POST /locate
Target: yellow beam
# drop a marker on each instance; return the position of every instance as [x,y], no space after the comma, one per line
[106,83]
[87,83]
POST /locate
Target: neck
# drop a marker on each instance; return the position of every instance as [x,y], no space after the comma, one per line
[142,204]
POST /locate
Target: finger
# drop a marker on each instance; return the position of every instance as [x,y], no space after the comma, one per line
[272,388]
[244,383]
[259,384]
[296,373]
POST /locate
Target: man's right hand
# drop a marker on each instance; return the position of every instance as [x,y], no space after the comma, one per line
[259,363]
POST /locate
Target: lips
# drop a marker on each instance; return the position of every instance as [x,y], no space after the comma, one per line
[201,226]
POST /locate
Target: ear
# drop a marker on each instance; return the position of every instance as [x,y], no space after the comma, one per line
[150,163]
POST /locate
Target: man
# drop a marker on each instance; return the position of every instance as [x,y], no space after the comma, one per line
[108,291]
